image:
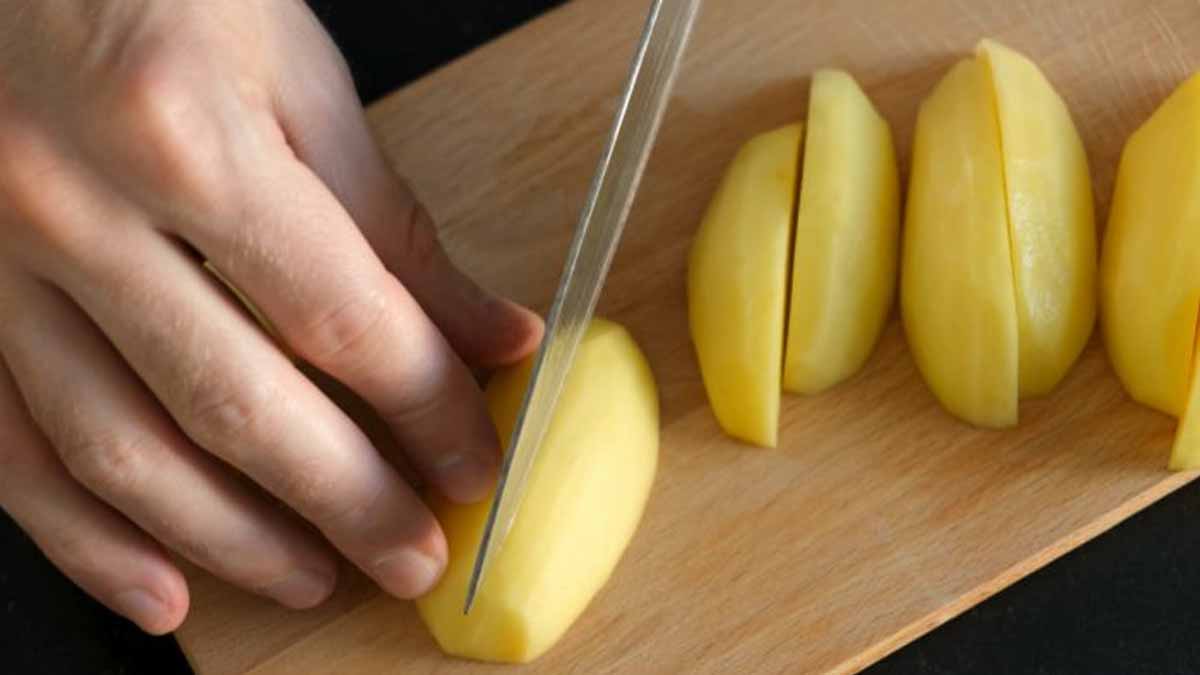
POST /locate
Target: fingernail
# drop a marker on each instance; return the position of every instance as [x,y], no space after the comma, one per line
[513,330]
[142,608]
[466,479]
[408,573]
[301,589]
[516,314]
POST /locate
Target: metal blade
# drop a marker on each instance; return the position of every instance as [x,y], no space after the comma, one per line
[596,237]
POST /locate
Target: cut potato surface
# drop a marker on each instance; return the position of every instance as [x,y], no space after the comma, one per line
[846,239]
[957,296]
[737,285]
[837,220]
[1150,269]
[999,259]
[1052,227]
[585,496]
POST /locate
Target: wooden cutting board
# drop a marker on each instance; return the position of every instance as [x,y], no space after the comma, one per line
[880,516]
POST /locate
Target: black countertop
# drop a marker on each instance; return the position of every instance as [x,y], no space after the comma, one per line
[1126,602]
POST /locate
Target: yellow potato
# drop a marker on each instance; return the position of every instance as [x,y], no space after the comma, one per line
[1150,269]
[847,225]
[737,285]
[957,297]
[585,496]
[1051,225]
[998,274]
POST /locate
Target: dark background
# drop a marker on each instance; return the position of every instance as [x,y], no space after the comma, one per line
[1124,603]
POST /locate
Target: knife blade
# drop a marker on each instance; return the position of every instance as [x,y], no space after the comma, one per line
[651,77]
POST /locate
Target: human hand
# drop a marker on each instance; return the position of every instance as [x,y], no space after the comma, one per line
[143,413]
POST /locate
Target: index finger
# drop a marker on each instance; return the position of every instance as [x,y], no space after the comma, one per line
[314,277]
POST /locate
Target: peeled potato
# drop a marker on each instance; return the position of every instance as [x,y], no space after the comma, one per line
[847,228]
[957,280]
[1050,219]
[998,271]
[1150,268]
[585,496]
[737,285]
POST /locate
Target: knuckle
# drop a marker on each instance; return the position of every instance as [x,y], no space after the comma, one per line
[153,91]
[202,551]
[321,492]
[71,550]
[334,68]
[342,336]
[416,405]
[36,190]
[331,91]
[419,236]
[107,463]
[177,141]
[221,412]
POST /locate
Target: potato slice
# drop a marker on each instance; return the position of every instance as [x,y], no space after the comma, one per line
[846,240]
[1052,228]
[1150,268]
[586,493]
[957,295]
[737,285]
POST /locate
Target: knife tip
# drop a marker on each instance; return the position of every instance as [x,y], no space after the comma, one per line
[472,590]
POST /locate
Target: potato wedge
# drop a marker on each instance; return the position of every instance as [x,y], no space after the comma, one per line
[737,285]
[846,240]
[585,496]
[1150,267]
[1051,224]
[957,295]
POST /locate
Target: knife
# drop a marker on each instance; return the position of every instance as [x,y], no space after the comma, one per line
[596,236]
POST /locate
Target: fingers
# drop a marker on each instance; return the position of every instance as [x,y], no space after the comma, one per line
[91,544]
[314,277]
[116,441]
[234,394]
[488,330]
[326,127]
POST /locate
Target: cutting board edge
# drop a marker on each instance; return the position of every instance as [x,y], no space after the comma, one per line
[913,631]
[1015,573]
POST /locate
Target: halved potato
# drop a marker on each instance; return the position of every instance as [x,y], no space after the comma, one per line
[999,267]
[737,285]
[1150,269]
[846,240]
[585,496]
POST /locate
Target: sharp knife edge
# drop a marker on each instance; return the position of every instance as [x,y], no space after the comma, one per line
[639,115]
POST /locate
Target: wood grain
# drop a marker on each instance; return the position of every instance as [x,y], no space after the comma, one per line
[880,516]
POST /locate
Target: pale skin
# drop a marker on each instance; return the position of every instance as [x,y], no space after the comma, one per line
[145,417]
